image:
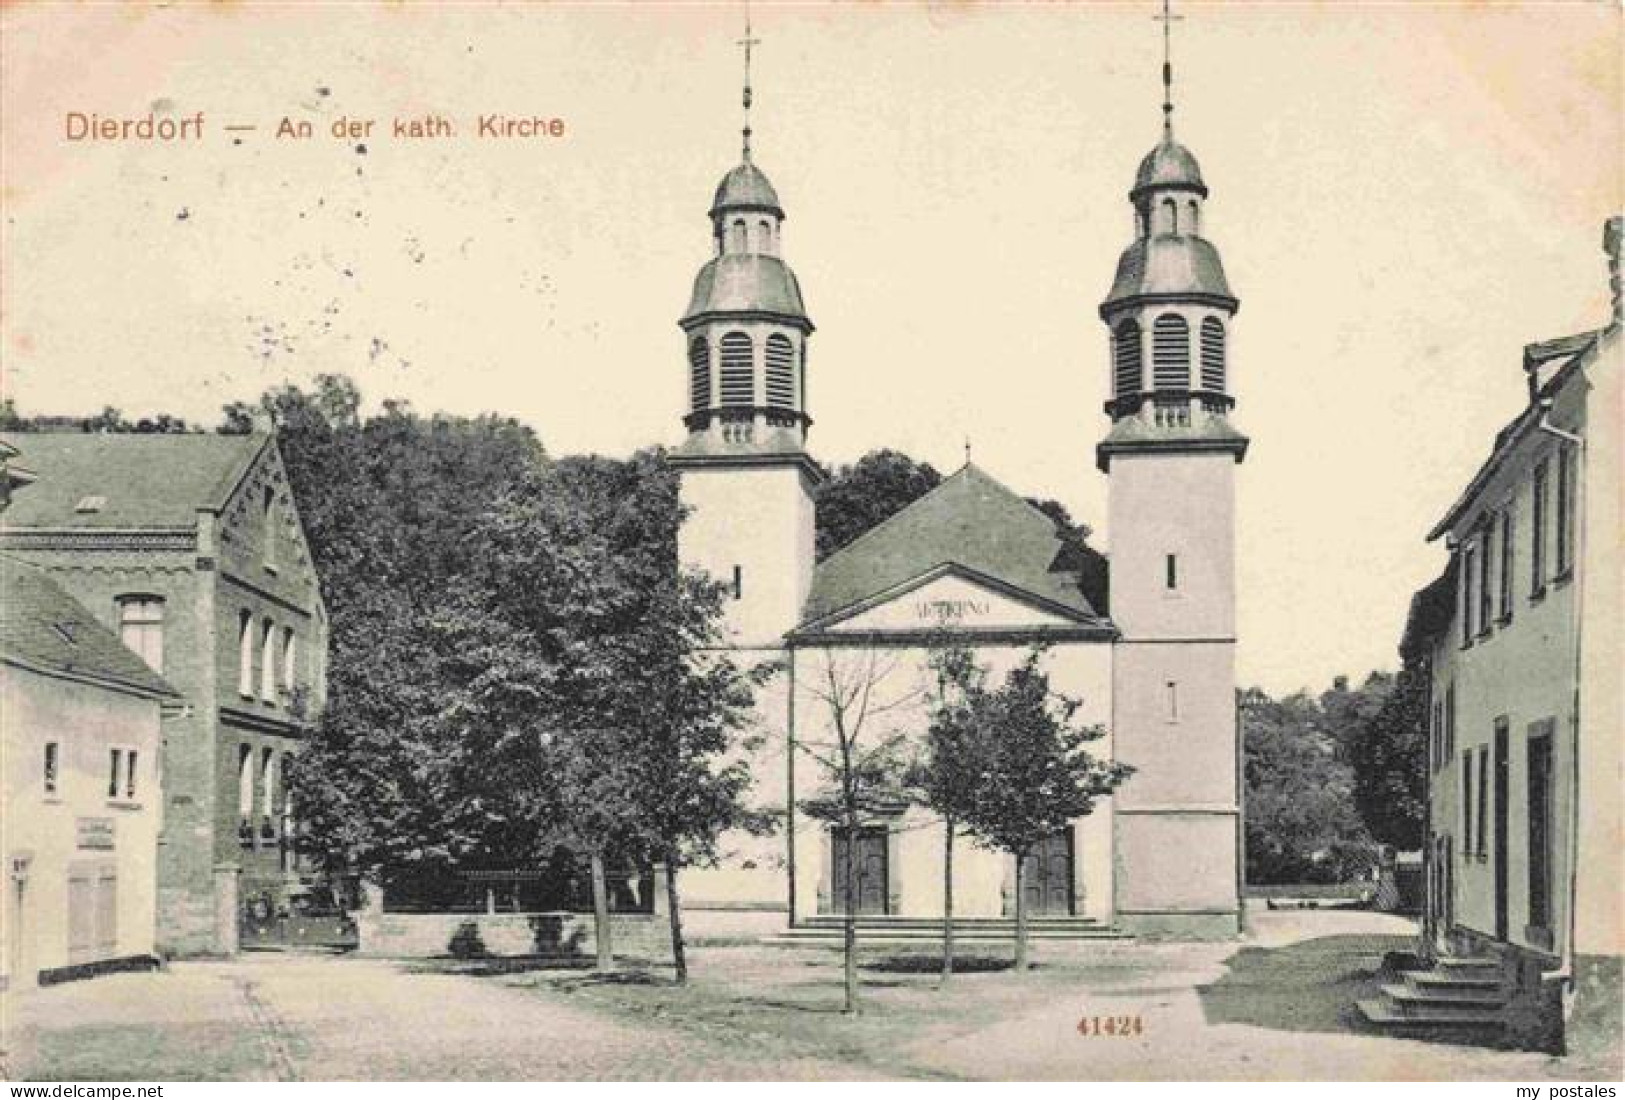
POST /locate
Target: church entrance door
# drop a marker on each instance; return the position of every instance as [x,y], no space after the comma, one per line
[873,877]
[1046,876]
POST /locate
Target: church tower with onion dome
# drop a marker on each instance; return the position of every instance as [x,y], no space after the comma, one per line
[746,477]
[1170,456]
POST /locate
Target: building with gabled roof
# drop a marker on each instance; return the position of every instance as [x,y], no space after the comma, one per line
[190,549]
[1522,643]
[972,562]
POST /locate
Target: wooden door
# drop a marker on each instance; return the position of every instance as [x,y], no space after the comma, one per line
[1046,876]
[873,877]
[81,915]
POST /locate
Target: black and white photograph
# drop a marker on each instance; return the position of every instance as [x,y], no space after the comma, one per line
[812,542]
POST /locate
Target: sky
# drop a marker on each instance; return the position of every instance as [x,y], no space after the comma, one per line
[1404,195]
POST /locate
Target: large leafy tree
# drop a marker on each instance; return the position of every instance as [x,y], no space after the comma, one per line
[871,490]
[1389,759]
[1301,824]
[1034,772]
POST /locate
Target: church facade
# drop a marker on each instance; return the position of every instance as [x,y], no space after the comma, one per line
[973,563]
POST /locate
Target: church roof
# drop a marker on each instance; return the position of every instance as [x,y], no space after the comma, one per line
[970,520]
[746,188]
[1175,265]
[746,282]
[118,480]
[44,628]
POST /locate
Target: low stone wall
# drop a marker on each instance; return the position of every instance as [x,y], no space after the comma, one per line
[552,935]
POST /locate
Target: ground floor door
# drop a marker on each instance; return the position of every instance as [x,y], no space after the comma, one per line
[1046,876]
[868,851]
[92,914]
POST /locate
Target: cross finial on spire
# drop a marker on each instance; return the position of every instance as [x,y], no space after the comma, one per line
[1167,19]
[967,450]
[747,42]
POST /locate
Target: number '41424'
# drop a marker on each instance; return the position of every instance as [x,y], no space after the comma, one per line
[1112,1026]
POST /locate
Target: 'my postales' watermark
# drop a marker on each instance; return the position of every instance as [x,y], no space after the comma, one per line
[1566,1092]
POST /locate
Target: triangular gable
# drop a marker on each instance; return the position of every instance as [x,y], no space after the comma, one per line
[952,598]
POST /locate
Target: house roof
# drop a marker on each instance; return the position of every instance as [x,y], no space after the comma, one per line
[1581,349]
[44,628]
[970,520]
[1431,610]
[156,480]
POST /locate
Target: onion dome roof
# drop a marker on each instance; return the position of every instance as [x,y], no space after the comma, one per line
[746,282]
[746,188]
[1170,164]
[1162,266]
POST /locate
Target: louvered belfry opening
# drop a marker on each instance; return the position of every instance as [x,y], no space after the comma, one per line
[1213,355]
[699,374]
[1127,370]
[736,369]
[1171,353]
[781,386]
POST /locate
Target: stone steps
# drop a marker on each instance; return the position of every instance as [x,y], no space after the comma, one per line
[1459,997]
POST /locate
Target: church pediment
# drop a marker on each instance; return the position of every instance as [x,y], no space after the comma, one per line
[955,600]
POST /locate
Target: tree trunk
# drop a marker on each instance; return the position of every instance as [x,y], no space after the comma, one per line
[600,914]
[1021,918]
[947,900]
[679,955]
[849,935]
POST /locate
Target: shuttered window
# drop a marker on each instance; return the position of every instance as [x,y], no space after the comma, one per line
[781,378]
[1171,353]
[1213,354]
[736,370]
[1128,377]
[699,374]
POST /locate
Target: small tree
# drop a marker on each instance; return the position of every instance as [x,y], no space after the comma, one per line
[1033,774]
[861,757]
[944,779]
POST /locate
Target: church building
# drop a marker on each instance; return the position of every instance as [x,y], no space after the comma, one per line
[972,561]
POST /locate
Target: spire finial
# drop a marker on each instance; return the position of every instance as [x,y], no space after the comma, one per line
[747,42]
[1167,19]
[967,450]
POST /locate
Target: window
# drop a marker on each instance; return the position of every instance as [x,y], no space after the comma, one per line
[1540,824]
[52,765]
[121,772]
[1171,571]
[1173,701]
[1193,213]
[267,792]
[1450,719]
[1537,533]
[739,582]
[1483,800]
[737,235]
[781,380]
[1506,565]
[1213,354]
[245,654]
[1485,591]
[1127,376]
[1469,574]
[290,662]
[268,512]
[1467,802]
[141,628]
[288,858]
[1171,353]
[1565,510]
[245,793]
[738,387]
[1170,216]
[268,662]
[764,236]
[699,374]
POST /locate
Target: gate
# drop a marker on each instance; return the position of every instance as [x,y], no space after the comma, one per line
[303,916]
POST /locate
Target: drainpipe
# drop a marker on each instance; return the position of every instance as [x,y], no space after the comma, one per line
[1565,970]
